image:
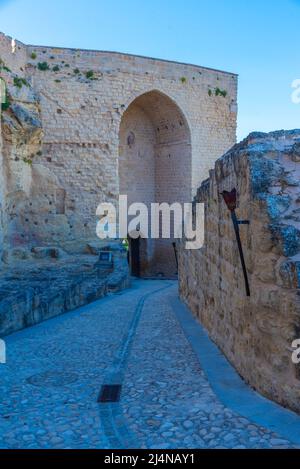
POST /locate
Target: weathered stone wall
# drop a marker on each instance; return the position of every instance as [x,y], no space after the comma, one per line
[254,332]
[12,57]
[2,192]
[74,101]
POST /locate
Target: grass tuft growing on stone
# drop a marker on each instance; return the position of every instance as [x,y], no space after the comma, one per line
[19,82]
[89,74]
[4,67]
[43,66]
[27,161]
[219,92]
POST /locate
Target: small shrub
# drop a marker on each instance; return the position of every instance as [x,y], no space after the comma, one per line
[67,65]
[76,71]
[27,161]
[89,74]
[219,92]
[43,66]
[19,82]
[52,57]
[57,81]
[33,55]
[183,79]
[4,67]
[55,68]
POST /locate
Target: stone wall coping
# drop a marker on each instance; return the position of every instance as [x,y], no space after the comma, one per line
[125,54]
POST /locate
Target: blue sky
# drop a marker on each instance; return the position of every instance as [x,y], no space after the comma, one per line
[259,40]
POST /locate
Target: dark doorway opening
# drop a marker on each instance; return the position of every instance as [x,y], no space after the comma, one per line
[135,256]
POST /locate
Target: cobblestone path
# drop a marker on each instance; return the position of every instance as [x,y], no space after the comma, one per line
[51,382]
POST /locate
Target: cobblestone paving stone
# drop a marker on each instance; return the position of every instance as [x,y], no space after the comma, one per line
[167,399]
[83,343]
[50,384]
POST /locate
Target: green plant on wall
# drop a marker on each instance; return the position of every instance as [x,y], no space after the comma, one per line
[4,67]
[33,55]
[55,68]
[43,66]
[27,161]
[19,82]
[219,92]
[89,74]
[183,79]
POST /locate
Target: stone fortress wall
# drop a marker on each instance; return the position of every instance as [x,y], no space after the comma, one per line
[85,125]
[81,127]
[256,332]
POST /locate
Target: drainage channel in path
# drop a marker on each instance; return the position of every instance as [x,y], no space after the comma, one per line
[113,421]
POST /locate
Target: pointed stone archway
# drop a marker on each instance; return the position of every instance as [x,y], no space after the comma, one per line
[155,166]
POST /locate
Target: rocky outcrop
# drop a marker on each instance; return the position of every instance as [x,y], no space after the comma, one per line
[46,282]
[33,211]
[254,332]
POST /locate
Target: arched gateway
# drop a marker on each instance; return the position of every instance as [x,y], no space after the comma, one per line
[154,166]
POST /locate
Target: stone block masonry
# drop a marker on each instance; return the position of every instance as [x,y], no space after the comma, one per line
[255,332]
[65,137]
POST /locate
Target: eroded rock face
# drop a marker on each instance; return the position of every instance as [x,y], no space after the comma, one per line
[32,198]
[50,283]
[255,333]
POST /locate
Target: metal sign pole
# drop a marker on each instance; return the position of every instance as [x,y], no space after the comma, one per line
[230,200]
[175,252]
[236,224]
